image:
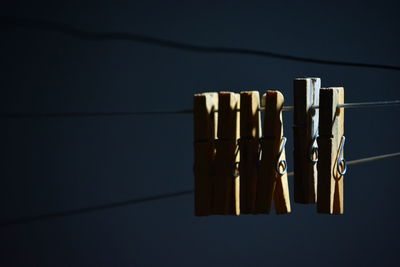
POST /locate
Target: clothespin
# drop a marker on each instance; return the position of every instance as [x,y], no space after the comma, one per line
[205,126]
[226,183]
[305,133]
[331,163]
[272,180]
[250,131]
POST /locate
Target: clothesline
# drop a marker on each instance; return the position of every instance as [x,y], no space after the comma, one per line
[134,201]
[27,115]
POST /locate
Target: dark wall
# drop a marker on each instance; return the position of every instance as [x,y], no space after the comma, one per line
[59,164]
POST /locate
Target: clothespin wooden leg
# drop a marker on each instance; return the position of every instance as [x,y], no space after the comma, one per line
[273,184]
[205,126]
[305,132]
[331,168]
[250,130]
[226,185]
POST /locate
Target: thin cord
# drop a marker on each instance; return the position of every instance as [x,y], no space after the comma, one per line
[61,214]
[55,215]
[370,104]
[8,115]
[375,158]
[24,115]
[139,38]
[367,104]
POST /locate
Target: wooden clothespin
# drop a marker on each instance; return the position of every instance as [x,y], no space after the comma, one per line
[331,163]
[305,133]
[205,127]
[226,183]
[250,131]
[272,180]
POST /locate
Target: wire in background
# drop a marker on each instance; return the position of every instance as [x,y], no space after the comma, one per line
[140,38]
[61,214]
[25,115]
[29,115]
[55,215]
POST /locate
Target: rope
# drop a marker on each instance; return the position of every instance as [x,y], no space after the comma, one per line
[62,214]
[140,38]
[8,115]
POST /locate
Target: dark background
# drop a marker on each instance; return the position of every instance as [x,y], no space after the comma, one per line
[59,164]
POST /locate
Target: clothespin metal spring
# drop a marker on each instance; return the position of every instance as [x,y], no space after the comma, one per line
[236,165]
[341,162]
[314,150]
[281,163]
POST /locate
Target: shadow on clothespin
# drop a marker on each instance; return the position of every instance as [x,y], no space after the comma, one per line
[331,140]
[205,126]
[250,131]
[226,199]
[272,179]
[305,133]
